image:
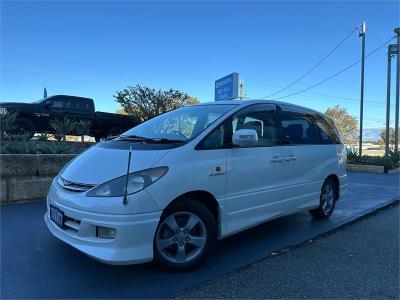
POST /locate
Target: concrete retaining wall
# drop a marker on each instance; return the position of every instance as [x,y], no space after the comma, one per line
[28,176]
[365,168]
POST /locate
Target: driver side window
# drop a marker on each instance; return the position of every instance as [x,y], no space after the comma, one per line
[260,118]
[261,121]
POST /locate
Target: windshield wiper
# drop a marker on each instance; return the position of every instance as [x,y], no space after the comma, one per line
[133,138]
[145,139]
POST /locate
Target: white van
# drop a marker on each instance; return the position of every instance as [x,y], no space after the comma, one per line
[196,174]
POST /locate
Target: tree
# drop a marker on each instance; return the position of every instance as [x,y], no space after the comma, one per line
[346,124]
[391,135]
[121,111]
[146,103]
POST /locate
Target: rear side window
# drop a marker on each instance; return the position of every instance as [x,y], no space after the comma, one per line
[297,128]
[327,131]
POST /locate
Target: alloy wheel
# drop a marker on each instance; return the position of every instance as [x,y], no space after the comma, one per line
[181,237]
[327,198]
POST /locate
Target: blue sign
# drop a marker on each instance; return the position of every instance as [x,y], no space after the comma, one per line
[227,87]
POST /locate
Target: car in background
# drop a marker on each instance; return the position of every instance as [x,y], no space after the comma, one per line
[170,187]
[36,117]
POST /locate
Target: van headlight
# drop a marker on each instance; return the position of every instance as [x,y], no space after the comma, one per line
[137,181]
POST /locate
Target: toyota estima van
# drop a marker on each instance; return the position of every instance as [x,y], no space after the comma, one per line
[170,187]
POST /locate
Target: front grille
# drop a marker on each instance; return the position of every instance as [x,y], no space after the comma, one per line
[74,186]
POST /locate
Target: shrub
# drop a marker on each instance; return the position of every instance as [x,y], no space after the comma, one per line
[43,137]
[55,148]
[391,162]
[22,147]
[63,127]
[16,137]
[6,122]
[83,128]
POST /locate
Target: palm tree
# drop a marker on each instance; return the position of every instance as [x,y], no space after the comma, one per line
[83,128]
[63,127]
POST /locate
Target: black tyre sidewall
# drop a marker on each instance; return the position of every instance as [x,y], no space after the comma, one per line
[319,212]
[197,208]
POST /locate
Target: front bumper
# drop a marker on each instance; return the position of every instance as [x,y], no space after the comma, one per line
[133,242]
[343,186]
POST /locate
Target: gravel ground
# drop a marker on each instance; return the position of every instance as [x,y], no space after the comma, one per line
[358,261]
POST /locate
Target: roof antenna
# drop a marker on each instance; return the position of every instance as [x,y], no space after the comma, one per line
[125,201]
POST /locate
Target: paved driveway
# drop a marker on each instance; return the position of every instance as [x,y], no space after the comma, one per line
[331,267]
[36,265]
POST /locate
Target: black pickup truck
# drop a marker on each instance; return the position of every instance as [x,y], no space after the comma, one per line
[36,117]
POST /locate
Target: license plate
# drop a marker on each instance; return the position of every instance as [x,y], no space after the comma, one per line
[57,216]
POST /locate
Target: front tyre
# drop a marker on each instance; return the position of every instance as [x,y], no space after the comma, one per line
[328,199]
[185,235]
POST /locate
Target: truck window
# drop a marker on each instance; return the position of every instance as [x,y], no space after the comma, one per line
[57,104]
[84,105]
[73,104]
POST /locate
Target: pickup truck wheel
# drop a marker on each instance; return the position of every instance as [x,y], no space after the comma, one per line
[23,126]
[98,138]
[114,131]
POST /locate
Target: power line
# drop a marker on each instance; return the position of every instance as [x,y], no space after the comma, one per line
[337,73]
[316,95]
[316,65]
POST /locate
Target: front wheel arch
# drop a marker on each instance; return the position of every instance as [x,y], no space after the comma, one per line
[205,198]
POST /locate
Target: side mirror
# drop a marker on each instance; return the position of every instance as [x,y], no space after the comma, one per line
[245,137]
[48,103]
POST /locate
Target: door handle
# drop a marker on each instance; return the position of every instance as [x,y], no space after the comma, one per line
[276,159]
[288,158]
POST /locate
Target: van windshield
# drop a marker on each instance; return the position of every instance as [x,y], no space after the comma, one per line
[181,124]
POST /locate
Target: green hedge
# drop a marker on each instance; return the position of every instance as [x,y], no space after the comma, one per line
[389,163]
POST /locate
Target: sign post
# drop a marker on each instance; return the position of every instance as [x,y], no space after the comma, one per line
[227,88]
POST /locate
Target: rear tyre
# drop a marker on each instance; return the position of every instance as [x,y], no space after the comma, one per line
[98,138]
[23,126]
[185,235]
[328,199]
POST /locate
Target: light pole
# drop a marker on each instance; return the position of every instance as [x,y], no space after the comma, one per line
[396,119]
[389,71]
[362,34]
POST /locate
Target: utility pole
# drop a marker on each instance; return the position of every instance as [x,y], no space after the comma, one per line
[389,70]
[362,35]
[396,120]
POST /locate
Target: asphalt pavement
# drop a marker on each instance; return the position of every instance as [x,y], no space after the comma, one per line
[360,261]
[34,264]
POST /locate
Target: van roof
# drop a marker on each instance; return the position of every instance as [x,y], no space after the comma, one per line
[250,102]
